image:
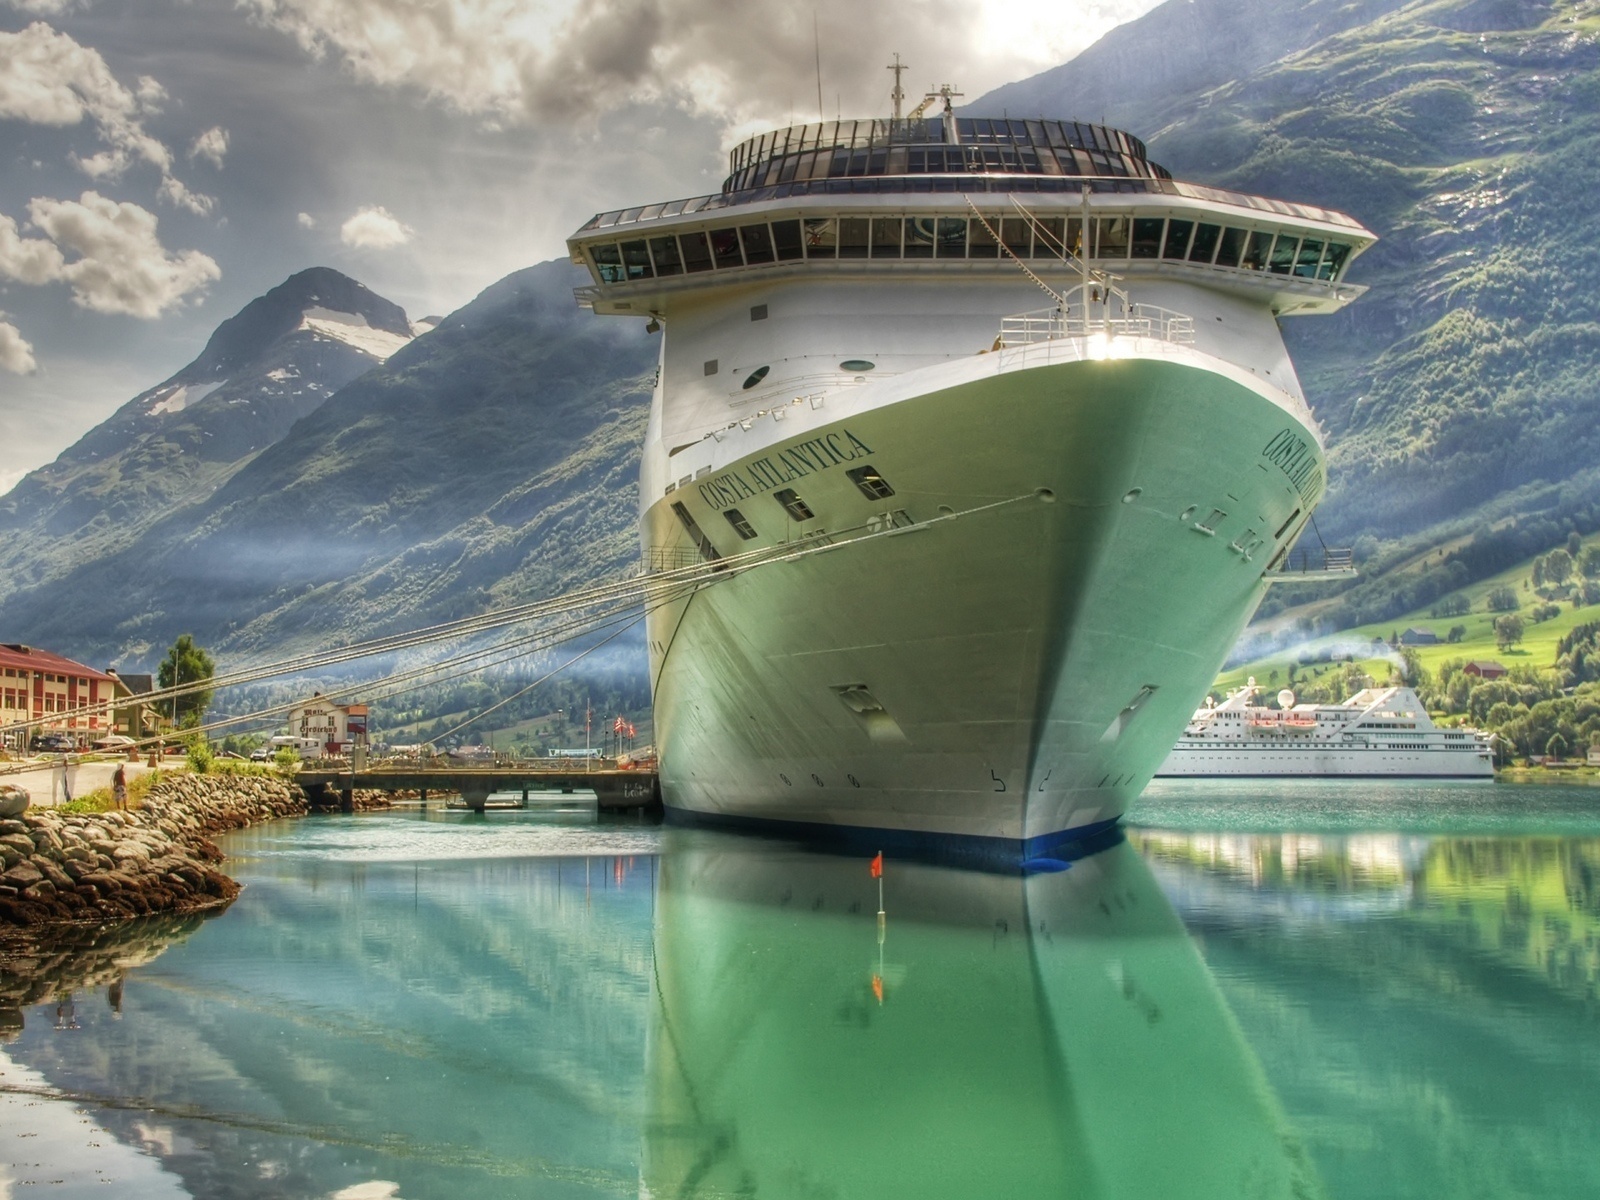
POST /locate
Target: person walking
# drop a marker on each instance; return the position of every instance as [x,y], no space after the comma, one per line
[119,787]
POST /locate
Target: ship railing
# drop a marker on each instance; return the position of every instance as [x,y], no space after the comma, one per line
[1074,321]
[1311,565]
[670,558]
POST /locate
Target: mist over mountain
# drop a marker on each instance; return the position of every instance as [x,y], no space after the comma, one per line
[491,459]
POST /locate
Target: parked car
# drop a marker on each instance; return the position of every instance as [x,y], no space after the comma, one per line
[52,743]
[262,754]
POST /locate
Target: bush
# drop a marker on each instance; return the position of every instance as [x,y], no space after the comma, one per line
[200,755]
[1453,605]
[1543,612]
[287,760]
[1456,634]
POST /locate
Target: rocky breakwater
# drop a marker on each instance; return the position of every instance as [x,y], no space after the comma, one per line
[93,867]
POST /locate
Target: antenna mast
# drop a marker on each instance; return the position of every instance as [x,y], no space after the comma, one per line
[816,39]
[899,93]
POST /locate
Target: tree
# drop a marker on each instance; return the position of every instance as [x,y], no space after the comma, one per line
[1574,545]
[1457,632]
[1538,572]
[1557,566]
[1556,747]
[186,663]
[1507,630]
[1589,563]
[1503,599]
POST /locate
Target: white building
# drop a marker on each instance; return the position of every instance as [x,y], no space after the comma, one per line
[334,727]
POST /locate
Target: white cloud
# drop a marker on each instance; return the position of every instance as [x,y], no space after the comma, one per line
[212,145]
[305,220]
[739,60]
[47,78]
[117,263]
[374,227]
[16,355]
[43,8]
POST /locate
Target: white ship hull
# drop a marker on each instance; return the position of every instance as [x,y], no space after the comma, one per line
[1363,762]
[1034,661]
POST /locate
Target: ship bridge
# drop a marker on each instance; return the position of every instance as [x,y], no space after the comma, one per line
[936,195]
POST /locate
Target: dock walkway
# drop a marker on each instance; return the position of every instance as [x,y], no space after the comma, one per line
[615,790]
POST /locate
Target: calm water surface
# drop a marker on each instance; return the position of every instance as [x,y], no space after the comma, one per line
[1265,991]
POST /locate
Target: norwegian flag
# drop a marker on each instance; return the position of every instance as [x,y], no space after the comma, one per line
[619,725]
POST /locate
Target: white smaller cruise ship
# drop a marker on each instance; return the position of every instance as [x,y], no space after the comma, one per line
[1378,732]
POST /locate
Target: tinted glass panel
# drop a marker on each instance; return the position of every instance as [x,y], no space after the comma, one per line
[1283,254]
[1111,238]
[1177,244]
[664,251]
[822,238]
[853,232]
[786,240]
[1231,247]
[1255,257]
[919,237]
[980,242]
[1334,263]
[636,260]
[1147,237]
[741,526]
[951,236]
[725,247]
[1047,235]
[793,505]
[1014,232]
[757,243]
[696,252]
[1075,235]
[1310,255]
[886,237]
[1205,243]
[607,261]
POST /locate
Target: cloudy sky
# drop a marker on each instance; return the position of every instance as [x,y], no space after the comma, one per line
[162,162]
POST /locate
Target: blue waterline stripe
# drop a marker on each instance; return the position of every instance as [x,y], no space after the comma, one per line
[1051,851]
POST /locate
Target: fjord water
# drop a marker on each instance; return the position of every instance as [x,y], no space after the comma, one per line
[1302,990]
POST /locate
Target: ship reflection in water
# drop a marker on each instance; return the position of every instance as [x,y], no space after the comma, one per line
[396,1009]
[1055,1035]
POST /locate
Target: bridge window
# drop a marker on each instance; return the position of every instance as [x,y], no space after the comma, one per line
[1047,237]
[1283,251]
[793,505]
[696,252]
[1112,237]
[1334,262]
[725,247]
[1147,237]
[822,238]
[1305,266]
[1204,246]
[1177,245]
[853,235]
[950,237]
[664,251]
[873,486]
[980,242]
[636,260]
[787,240]
[1231,247]
[740,526]
[607,261]
[1014,232]
[1255,255]
[757,244]
[886,237]
[919,237]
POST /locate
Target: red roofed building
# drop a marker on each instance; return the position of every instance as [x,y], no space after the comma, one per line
[36,685]
[1484,670]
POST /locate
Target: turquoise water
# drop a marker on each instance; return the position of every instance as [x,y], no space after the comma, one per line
[1268,990]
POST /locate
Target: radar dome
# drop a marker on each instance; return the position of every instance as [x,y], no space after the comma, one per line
[1286,699]
[1251,682]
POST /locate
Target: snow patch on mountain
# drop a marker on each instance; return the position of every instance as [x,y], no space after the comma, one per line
[353,330]
[176,399]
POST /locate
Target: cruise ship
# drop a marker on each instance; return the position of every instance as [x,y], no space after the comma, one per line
[1377,733]
[1008,409]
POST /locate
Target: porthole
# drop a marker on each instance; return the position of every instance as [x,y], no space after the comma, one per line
[856,364]
[785,779]
[816,779]
[1046,495]
[1188,512]
[1132,495]
[755,377]
[854,782]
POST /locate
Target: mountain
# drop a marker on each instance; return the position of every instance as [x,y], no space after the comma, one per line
[172,446]
[1464,388]
[491,459]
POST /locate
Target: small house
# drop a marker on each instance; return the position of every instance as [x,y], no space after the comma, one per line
[1419,637]
[1484,670]
[335,728]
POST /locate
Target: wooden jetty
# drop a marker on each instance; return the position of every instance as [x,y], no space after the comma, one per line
[615,790]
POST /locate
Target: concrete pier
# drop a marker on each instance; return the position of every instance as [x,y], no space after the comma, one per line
[615,791]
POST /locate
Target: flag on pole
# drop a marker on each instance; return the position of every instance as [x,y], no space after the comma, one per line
[618,725]
[877,866]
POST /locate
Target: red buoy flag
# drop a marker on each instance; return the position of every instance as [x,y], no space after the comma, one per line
[877,866]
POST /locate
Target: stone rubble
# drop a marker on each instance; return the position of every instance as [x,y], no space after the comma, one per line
[94,867]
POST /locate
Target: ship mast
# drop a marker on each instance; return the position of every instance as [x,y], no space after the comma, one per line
[899,93]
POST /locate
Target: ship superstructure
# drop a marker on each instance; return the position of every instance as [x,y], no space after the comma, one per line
[1018,402]
[1376,733]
